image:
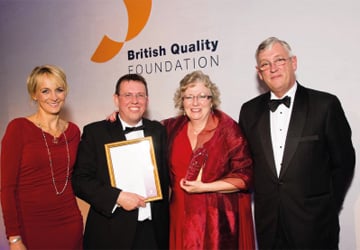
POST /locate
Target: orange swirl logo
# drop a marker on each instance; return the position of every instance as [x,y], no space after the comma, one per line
[138,15]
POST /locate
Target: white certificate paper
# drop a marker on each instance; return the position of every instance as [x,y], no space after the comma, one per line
[132,167]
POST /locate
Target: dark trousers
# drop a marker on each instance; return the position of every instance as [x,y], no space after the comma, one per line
[145,236]
[281,241]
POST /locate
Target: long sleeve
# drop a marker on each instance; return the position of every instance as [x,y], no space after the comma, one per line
[342,153]
[240,161]
[11,155]
[90,178]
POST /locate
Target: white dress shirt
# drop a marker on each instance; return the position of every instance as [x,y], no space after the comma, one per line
[279,124]
[144,212]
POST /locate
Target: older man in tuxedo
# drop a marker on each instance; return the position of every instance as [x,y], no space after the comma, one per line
[303,156]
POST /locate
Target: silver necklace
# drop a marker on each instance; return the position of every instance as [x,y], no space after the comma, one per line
[51,164]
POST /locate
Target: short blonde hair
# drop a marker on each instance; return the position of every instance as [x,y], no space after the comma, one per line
[38,72]
[188,81]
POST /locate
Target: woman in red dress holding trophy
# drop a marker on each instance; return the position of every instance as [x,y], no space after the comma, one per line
[211,172]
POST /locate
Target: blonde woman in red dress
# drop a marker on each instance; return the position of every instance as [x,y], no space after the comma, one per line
[37,158]
[210,170]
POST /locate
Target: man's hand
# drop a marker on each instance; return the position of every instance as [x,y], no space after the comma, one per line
[130,201]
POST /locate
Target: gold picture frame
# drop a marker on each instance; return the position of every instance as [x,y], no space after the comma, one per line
[132,167]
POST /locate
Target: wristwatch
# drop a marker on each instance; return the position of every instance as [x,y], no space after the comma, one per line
[14,240]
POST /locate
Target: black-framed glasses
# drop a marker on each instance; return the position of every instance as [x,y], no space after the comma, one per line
[199,98]
[266,65]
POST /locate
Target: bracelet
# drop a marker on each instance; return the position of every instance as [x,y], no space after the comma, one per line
[14,240]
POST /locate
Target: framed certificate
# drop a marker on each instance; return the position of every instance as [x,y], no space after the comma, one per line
[132,167]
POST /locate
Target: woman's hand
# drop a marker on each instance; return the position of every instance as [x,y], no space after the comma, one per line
[193,186]
[19,245]
[198,186]
[112,116]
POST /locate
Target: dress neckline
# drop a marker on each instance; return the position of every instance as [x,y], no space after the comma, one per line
[36,126]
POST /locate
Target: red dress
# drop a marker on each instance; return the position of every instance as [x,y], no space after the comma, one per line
[211,220]
[31,207]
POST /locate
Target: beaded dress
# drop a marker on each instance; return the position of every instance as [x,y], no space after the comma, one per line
[38,202]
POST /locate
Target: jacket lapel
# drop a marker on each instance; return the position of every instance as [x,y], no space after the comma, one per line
[147,128]
[264,129]
[296,125]
[116,130]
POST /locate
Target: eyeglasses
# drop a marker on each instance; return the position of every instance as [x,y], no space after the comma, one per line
[130,96]
[199,98]
[266,65]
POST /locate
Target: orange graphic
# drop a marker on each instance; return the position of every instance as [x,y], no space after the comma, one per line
[138,15]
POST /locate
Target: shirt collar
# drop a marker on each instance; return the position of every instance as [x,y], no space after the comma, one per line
[291,93]
[124,124]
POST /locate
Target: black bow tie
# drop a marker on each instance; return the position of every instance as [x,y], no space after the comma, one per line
[273,104]
[131,129]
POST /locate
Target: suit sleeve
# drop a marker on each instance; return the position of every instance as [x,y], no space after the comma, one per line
[90,178]
[341,149]
[162,159]
[241,120]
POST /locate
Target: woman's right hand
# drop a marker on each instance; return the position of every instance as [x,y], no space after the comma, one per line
[112,116]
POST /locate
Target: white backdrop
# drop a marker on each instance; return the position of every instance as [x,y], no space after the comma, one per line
[324,34]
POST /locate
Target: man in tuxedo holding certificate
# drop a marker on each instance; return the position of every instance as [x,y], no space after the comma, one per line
[119,219]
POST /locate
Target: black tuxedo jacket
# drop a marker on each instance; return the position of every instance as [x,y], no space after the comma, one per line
[317,167]
[91,182]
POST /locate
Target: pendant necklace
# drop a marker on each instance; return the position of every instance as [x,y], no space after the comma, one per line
[51,163]
[55,140]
